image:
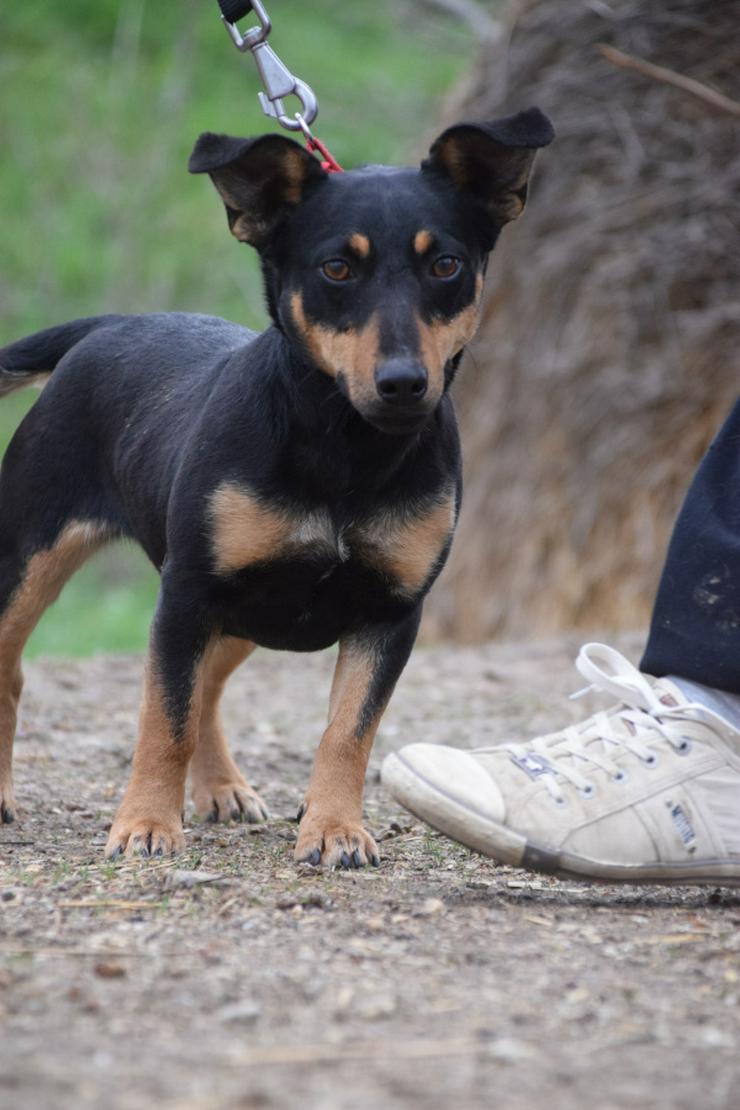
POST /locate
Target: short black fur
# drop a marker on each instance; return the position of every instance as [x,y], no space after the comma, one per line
[336,419]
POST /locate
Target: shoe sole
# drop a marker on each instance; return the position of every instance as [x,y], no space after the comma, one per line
[472,829]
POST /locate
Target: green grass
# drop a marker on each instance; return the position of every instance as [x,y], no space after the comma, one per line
[107,606]
[102,104]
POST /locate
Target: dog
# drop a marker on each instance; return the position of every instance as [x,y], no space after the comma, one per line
[294,488]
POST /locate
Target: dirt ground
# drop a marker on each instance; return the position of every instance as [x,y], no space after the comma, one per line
[230,978]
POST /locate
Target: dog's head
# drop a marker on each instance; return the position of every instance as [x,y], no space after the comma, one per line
[377,273]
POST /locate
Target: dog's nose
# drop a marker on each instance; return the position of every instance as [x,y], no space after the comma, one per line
[401,381]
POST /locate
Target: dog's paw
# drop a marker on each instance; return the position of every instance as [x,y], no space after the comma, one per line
[7,804]
[232,801]
[144,838]
[334,842]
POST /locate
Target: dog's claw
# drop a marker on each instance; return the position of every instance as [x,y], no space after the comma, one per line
[336,844]
[299,814]
[235,802]
[7,817]
[375,860]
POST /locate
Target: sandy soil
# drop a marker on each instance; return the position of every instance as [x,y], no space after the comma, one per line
[230,978]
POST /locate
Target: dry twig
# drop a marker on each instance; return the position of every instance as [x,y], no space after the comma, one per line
[707,95]
[300,1055]
[609,345]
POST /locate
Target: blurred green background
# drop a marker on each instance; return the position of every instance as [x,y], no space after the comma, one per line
[101,102]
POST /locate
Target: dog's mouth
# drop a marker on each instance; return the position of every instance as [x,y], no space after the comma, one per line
[391,420]
[398,424]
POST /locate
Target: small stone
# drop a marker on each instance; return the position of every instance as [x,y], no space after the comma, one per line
[240,1013]
[430,907]
[510,1050]
[344,1000]
[374,1007]
[717,1038]
[179,880]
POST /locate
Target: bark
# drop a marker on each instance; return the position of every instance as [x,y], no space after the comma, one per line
[608,352]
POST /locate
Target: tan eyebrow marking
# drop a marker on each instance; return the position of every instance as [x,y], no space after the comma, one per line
[423,241]
[360,244]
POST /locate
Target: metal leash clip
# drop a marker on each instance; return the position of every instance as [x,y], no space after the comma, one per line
[276,78]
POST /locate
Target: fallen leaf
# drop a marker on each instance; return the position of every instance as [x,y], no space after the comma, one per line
[430,907]
[109,970]
[179,880]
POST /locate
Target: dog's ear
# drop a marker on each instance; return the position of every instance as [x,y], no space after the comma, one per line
[492,161]
[258,179]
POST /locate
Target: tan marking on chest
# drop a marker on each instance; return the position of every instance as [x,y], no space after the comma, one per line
[246,530]
[406,547]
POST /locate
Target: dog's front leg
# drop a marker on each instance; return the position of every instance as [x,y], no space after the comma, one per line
[149,819]
[369,664]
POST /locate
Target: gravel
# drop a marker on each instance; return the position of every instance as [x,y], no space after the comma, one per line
[231,978]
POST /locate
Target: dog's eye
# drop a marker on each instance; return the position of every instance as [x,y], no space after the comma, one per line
[446,266]
[336,269]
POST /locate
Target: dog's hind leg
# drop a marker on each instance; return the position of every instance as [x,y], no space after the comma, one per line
[220,791]
[28,585]
[183,640]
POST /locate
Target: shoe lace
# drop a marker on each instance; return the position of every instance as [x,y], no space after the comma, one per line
[639,720]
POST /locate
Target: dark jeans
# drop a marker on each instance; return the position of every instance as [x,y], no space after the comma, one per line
[695,629]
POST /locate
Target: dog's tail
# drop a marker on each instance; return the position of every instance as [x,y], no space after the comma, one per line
[30,361]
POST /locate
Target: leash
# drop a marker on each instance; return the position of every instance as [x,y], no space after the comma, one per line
[277,80]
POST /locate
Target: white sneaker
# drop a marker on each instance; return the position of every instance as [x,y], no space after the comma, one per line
[646,792]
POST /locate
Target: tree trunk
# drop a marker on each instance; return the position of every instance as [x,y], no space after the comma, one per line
[609,350]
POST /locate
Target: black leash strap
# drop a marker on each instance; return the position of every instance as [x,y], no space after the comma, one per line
[234,10]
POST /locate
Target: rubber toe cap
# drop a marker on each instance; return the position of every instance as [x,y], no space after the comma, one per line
[423,774]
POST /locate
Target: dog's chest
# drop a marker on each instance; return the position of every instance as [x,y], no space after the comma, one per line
[401,546]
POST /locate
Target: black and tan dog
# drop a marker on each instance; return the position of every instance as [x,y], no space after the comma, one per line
[295,488]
